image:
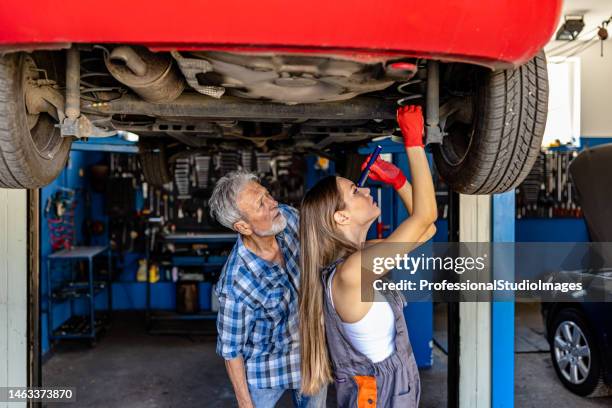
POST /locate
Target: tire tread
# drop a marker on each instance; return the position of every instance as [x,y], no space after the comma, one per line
[510,125]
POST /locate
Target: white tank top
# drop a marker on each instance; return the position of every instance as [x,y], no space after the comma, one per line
[374,334]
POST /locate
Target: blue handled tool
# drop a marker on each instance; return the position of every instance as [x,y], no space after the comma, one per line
[366,172]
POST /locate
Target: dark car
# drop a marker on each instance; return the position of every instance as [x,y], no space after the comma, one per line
[580,333]
[580,338]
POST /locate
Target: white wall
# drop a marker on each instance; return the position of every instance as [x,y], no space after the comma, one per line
[596,90]
[13,290]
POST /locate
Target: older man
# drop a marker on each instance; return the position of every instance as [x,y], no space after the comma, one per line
[258,294]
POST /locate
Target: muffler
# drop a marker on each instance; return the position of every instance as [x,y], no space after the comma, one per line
[152,76]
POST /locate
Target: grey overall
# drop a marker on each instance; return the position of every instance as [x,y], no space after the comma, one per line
[393,382]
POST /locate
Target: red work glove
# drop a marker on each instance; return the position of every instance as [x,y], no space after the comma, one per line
[410,120]
[386,172]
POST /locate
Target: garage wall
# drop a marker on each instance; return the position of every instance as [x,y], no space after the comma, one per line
[596,90]
[13,289]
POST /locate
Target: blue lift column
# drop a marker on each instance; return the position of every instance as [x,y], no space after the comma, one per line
[502,312]
[486,329]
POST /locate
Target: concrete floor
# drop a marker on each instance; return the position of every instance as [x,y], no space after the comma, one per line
[129,368]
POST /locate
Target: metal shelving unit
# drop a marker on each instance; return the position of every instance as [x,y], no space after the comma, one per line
[79,327]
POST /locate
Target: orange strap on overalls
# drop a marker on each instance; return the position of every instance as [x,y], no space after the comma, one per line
[366,391]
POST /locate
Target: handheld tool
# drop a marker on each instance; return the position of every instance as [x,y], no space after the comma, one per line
[379,224]
[366,171]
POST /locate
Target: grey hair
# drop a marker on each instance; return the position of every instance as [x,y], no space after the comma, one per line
[222,202]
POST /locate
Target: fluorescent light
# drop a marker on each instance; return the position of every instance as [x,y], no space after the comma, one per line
[129,136]
[570,29]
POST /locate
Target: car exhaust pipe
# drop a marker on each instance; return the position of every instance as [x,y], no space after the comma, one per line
[152,76]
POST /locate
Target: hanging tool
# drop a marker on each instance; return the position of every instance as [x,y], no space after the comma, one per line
[379,224]
[602,33]
[151,202]
[166,209]
[158,202]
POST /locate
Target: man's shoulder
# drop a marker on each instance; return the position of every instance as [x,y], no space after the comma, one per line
[292,215]
[289,211]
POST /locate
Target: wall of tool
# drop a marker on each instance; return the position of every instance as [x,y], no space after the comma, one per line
[547,204]
[181,206]
[548,192]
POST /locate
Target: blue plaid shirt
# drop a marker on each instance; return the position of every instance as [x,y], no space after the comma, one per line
[258,311]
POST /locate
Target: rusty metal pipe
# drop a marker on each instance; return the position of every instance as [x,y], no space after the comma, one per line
[200,106]
[151,75]
[131,59]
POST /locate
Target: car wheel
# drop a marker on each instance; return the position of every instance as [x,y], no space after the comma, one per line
[32,150]
[494,148]
[154,163]
[575,354]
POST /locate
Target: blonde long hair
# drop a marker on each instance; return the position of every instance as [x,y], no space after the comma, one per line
[320,244]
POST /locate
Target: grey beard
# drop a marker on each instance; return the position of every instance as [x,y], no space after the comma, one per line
[276,228]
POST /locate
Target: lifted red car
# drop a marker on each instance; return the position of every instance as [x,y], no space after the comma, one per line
[320,77]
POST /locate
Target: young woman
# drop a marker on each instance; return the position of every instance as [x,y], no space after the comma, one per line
[362,345]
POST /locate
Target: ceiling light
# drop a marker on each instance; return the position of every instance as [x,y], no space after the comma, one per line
[570,29]
[129,136]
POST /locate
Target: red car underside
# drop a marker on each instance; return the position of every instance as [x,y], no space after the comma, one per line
[496,33]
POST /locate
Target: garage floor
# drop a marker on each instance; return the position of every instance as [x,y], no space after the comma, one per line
[130,369]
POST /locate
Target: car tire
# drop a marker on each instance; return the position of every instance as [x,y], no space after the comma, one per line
[590,383]
[32,150]
[495,151]
[154,163]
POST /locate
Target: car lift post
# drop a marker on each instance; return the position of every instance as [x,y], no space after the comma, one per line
[452,316]
[14,359]
[502,312]
[481,334]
